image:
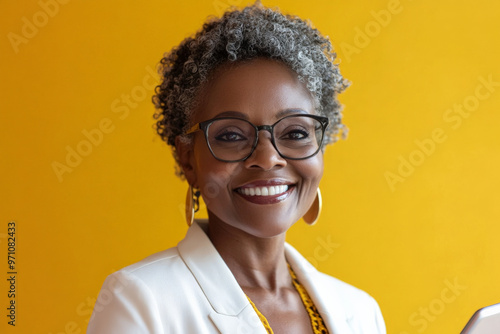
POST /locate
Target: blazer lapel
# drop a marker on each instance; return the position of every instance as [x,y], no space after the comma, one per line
[246,322]
[324,297]
[232,313]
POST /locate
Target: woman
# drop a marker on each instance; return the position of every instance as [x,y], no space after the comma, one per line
[247,104]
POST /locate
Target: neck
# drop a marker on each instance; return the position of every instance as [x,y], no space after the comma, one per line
[256,263]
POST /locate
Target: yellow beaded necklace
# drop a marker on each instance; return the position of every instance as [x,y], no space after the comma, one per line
[317,322]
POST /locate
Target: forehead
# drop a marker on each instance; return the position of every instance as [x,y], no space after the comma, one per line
[261,89]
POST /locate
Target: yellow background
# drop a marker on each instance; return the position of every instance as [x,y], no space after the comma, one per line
[404,241]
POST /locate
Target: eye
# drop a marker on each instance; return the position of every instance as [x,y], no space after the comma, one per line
[296,134]
[230,137]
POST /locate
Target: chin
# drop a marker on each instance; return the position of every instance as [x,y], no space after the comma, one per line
[259,223]
[266,228]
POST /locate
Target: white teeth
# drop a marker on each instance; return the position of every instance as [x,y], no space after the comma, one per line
[263,191]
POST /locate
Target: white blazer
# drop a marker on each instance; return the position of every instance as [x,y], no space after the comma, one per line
[189,289]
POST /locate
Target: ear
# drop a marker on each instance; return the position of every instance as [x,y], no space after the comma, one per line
[184,151]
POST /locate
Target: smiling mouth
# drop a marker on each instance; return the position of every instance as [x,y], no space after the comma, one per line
[267,194]
[264,191]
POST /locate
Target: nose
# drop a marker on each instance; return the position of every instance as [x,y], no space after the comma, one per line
[265,155]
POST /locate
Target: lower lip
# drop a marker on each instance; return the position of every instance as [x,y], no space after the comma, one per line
[268,199]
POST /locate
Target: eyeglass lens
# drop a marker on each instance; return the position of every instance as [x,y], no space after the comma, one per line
[295,137]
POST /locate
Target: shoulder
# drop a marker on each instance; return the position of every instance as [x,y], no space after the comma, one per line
[153,264]
[360,309]
[135,299]
[337,299]
[159,272]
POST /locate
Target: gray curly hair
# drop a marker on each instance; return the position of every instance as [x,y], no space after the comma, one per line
[239,35]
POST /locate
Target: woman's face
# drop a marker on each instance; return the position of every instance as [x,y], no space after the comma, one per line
[262,92]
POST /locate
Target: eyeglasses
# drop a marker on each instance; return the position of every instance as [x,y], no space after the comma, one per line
[232,139]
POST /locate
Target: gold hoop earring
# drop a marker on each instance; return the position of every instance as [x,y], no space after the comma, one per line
[192,204]
[312,215]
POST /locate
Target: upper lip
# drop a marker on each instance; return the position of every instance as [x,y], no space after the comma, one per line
[266,183]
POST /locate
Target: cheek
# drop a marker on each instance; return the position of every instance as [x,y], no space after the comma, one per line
[311,170]
[213,175]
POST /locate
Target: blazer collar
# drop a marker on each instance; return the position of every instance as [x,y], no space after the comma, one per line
[232,313]
[228,300]
[324,296]
[214,277]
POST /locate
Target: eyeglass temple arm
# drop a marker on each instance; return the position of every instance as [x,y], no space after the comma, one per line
[194,128]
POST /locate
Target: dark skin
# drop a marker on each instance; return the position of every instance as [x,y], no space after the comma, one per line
[262,273]
[250,237]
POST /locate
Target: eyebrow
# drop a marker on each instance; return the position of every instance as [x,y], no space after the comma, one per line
[244,116]
[232,114]
[286,112]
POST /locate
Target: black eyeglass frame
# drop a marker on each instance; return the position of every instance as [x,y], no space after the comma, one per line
[203,126]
